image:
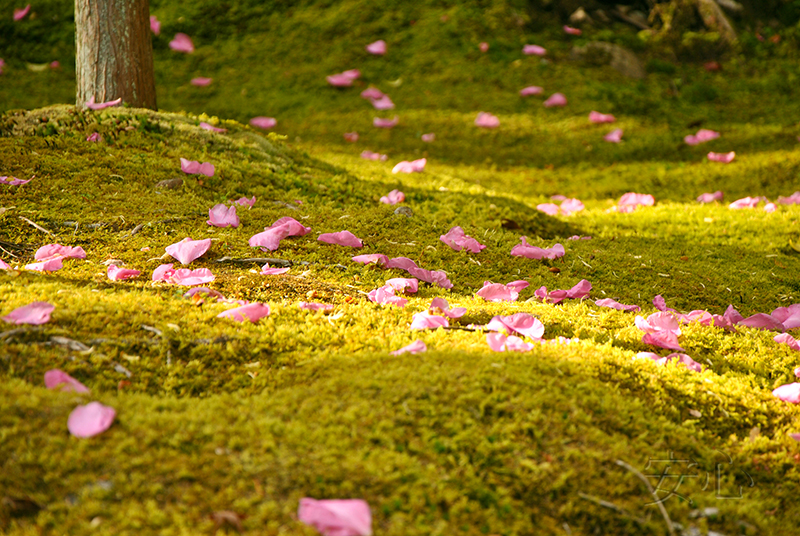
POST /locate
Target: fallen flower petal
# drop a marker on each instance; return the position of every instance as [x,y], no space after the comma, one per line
[271,237]
[377,258]
[99,106]
[48,265]
[4,265]
[531,90]
[403,263]
[155,25]
[428,138]
[36,313]
[386,123]
[210,293]
[212,128]
[580,290]
[339,80]
[188,250]
[533,252]
[352,137]
[522,323]
[415,166]
[662,339]
[788,316]
[788,393]
[19,13]
[615,136]
[785,338]
[793,199]
[13,181]
[413,348]
[187,278]
[499,342]
[725,158]
[242,201]
[352,74]
[266,270]
[534,50]
[182,43]
[556,99]
[703,135]
[572,31]
[631,200]
[710,197]
[222,216]
[378,47]
[484,47]
[393,197]
[518,285]
[457,240]
[746,202]
[425,320]
[384,103]
[496,292]
[192,167]
[568,206]
[440,306]
[342,238]
[336,517]
[690,363]
[201,81]
[89,420]
[402,284]
[551,209]
[429,276]
[94,137]
[385,295]
[55,377]
[662,321]
[597,117]
[252,312]
[119,274]
[761,321]
[487,120]
[372,93]
[608,302]
[262,122]
[50,250]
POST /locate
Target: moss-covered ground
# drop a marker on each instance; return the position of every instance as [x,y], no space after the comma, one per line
[214,415]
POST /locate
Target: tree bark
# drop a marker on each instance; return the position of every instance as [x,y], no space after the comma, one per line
[114,52]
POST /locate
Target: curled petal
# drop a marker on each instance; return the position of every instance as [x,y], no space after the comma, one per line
[252,312]
[378,47]
[440,306]
[188,250]
[762,321]
[534,50]
[496,292]
[597,117]
[402,263]
[372,93]
[266,270]
[531,90]
[632,200]
[385,295]
[119,274]
[155,25]
[402,284]
[608,302]
[437,277]
[425,320]
[384,103]
[376,258]
[13,181]
[51,250]
[710,197]
[193,167]
[386,123]
[212,128]
[533,252]
[101,105]
[785,338]
[369,155]
[55,377]
[222,216]
[457,240]
[36,313]
[725,158]
[428,138]
[20,13]
[615,136]
[522,323]
[342,238]
[201,81]
[415,166]
[703,135]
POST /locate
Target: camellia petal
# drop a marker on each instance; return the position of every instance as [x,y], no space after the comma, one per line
[378,47]
[182,43]
[746,202]
[608,302]
[20,13]
[457,240]
[372,93]
[433,277]
[522,323]
[496,292]
[568,206]
[48,265]
[36,313]
[266,270]
[788,393]
[487,120]
[336,517]
[384,103]
[483,47]
[533,252]
[534,50]
[499,342]
[440,306]
[710,197]
[428,138]
[556,99]
[243,201]
[90,420]
[597,117]
[51,250]
[342,238]
[4,265]
[551,209]
[201,81]
[785,338]
[188,250]
[788,316]
[393,197]
[13,181]
[339,80]
[386,123]
[265,123]
[572,31]
[703,135]
[212,128]
[615,136]
[155,25]
[351,137]
[252,312]
[369,155]
[793,199]
[119,274]
[403,284]
[531,90]
[193,167]
[403,263]
[55,377]
[628,202]
[101,105]
[415,166]
[385,295]
[222,216]
[425,320]
[413,348]
[725,158]
[376,258]
[187,278]
[761,321]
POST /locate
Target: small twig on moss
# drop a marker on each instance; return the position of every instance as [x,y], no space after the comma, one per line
[463,328]
[36,225]
[612,506]
[151,329]
[277,262]
[667,520]
[17,331]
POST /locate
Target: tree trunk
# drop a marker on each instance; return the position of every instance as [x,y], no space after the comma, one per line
[114,57]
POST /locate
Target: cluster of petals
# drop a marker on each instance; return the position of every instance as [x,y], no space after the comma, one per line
[520,323]
[457,240]
[793,199]
[201,81]
[243,201]
[425,320]
[597,117]
[268,270]
[628,202]
[193,167]
[788,393]
[711,197]
[441,307]
[415,166]
[497,292]
[36,313]
[487,120]
[20,13]
[385,123]
[500,342]
[51,257]
[781,319]
[221,216]
[342,238]
[182,276]
[404,284]
[13,181]
[58,378]
[212,128]
[415,347]
[661,329]
[188,250]
[531,90]
[369,155]
[556,99]
[567,207]
[90,420]
[116,273]
[336,517]
[703,135]
[385,295]
[92,105]
[264,123]
[615,136]
[252,312]
[613,304]
[271,237]
[393,197]
[182,43]
[155,25]
[533,50]
[690,363]
[580,291]
[532,252]
[725,158]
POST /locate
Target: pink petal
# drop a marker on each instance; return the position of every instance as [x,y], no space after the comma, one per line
[51,250]
[662,339]
[533,252]
[402,284]
[556,99]
[13,181]
[500,343]
[386,123]
[522,323]
[535,50]
[352,74]
[762,321]
[403,263]
[657,322]
[187,278]
[188,250]
[487,120]
[163,272]
[55,377]
[746,202]
[518,285]
[483,47]
[788,316]
[703,135]
[631,200]
[36,313]
[413,348]
[222,216]
[440,306]
[608,302]
[384,103]
[155,25]
[415,166]
[725,158]
[204,290]
[310,306]
[572,31]
[531,90]
[793,199]
[393,197]
[265,123]
[429,276]
[242,201]
[615,136]
[118,274]
[770,207]
[457,240]
[425,320]
[352,137]
[182,43]
[369,155]
[94,137]
[192,167]
[252,312]
[372,93]
[212,128]
[378,48]
[568,206]
[496,292]
[428,138]
[385,295]
[266,270]
[342,238]
[339,80]
[271,237]
[796,437]
[89,420]
[580,290]
[4,265]
[788,393]
[92,106]
[710,197]
[201,81]
[698,315]
[48,265]
[19,14]
[785,338]
[597,117]
[551,209]
[377,258]
[336,517]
